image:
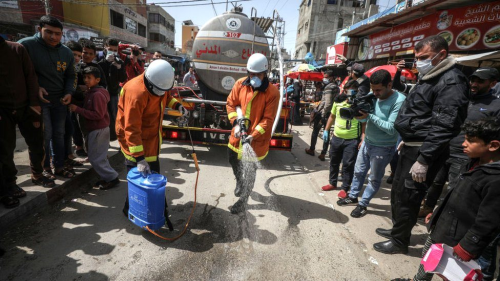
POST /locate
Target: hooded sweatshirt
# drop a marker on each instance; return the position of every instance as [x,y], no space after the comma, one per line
[54,66]
[95,109]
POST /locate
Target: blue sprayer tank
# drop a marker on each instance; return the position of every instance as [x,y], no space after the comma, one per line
[146,198]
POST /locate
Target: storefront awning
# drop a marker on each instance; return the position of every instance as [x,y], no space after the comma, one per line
[489,59]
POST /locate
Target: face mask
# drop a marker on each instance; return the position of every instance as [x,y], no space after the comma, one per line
[425,66]
[136,53]
[326,81]
[255,82]
[351,93]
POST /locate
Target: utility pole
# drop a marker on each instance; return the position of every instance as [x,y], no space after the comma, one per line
[47,7]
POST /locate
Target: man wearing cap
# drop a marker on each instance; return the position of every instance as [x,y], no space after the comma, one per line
[357,72]
[483,103]
[134,66]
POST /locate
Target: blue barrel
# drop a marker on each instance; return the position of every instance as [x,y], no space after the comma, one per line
[146,198]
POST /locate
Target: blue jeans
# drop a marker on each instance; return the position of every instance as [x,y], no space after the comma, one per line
[488,260]
[371,157]
[54,121]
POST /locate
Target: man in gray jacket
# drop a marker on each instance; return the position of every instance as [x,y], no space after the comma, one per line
[323,112]
[54,67]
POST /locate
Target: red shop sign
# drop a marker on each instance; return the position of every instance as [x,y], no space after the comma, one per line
[474,27]
[333,51]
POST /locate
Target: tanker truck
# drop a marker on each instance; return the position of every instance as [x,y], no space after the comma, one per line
[219,56]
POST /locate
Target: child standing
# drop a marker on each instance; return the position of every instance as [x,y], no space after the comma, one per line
[469,218]
[96,116]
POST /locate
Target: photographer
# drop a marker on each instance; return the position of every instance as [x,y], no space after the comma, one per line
[345,142]
[115,74]
[379,143]
[357,72]
[330,92]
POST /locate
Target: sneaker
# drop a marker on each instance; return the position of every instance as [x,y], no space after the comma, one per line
[328,187]
[347,201]
[359,212]
[424,211]
[321,157]
[110,184]
[342,194]
[310,151]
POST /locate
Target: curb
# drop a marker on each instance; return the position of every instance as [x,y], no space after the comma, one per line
[40,201]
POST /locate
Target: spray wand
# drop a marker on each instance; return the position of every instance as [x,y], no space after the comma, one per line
[244,124]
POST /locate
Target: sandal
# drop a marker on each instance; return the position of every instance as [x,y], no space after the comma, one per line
[65,173]
[15,191]
[72,163]
[9,202]
[43,181]
[48,174]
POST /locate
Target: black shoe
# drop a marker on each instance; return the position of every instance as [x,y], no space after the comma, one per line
[238,207]
[107,185]
[347,201]
[359,211]
[387,247]
[401,279]
[386,233]
[81,153]
[390,179]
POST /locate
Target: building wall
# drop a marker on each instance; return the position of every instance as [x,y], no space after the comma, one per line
[124,34]
[319,22]
[11,15]
[189,33]
[93,16]
[167,46]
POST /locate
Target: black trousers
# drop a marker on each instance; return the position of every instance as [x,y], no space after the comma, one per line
[245,174]
[407,195]
[23,118]
[455,165]
[317,125]
[345,151]
[297,119]
[437,186]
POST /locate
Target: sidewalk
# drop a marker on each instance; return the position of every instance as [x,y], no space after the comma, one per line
[40,197]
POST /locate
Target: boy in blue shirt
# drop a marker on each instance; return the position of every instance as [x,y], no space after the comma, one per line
[379,143]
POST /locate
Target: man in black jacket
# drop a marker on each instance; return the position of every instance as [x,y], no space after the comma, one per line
[469,218]
[357,72]
[429,118]
[114,69]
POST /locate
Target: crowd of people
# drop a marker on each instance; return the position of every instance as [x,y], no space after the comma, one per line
[444,128]
[64,100]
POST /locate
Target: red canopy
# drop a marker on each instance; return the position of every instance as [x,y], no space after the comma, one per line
[309,76]
[392,70]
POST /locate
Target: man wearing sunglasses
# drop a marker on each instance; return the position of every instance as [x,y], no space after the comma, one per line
[430,117]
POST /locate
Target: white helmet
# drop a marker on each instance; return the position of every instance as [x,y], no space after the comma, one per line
[160,74]
[257,63]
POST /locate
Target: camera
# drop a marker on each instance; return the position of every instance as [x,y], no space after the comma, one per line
[408,64]
[365,103]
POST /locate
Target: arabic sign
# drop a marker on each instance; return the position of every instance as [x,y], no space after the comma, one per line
[131,25]
[9,4]
[216,50]
[333,51]
[475,27]
[98,42]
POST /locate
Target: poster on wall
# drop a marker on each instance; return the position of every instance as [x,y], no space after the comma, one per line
[474,27]
[131,25]
[9,4]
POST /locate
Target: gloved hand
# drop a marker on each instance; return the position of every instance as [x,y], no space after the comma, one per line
[183,111]
[110,57]
[461,254]
[237,131]
[143,168]
[419,172]
[249,139]
[326,135]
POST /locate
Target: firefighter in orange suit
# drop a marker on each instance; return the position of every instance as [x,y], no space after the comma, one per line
[140,114]
[258,100]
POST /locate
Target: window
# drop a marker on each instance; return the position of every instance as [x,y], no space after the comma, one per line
[142,30]
[331,2]
[340,24]
[156,37]
[116,19]
[157,18]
